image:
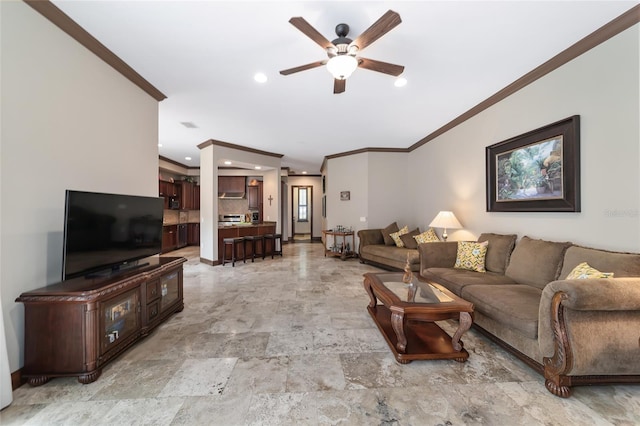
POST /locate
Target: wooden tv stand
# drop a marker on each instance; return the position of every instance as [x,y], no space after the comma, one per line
[75,327]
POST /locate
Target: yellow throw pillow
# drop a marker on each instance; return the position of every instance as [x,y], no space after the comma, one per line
[471,255]
[583,271]
[428,236]
[396,236]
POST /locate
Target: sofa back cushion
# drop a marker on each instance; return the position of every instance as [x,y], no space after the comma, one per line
[408,240]
[386,234]
[498,251]
[536,262]
[621,264]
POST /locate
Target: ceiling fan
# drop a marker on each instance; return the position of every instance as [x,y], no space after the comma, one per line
[343,52]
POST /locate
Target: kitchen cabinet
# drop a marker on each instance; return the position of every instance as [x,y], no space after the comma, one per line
[232,184]
[186,199]
[169,238]
[193,231]
[254,196]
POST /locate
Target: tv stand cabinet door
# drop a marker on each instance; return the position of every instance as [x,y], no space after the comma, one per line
[57,342]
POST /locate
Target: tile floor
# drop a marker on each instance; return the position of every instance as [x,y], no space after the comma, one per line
[289,341]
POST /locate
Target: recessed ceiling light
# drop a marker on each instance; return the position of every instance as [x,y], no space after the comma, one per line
[304,173]
[187,158]
[159,145]
[257,167]
[400,82]
[228,163]
[260,77]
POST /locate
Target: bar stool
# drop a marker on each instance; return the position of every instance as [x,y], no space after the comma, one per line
[274,238]
[233,242]
[253,239]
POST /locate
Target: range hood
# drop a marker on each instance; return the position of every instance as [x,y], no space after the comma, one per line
[231,195]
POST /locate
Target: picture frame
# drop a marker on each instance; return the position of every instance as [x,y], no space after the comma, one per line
[345,195]
[538,171]
[324,206]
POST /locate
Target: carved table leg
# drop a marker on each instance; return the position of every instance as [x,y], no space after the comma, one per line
[465,324]
[367,287]
[397,322]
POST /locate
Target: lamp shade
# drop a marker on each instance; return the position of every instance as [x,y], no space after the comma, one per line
[342,66]
[446,220]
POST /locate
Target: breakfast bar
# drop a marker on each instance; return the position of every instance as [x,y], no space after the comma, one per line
[244,229]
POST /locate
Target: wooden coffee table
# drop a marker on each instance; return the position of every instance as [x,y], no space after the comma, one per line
[406,313]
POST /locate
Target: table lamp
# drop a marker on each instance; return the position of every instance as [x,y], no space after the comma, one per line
[445,219]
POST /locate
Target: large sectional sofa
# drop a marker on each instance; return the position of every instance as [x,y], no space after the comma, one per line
[573,331]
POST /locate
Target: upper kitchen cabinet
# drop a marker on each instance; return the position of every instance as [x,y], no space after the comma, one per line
[231,186]
[254,196]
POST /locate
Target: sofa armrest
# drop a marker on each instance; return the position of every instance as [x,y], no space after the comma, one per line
[438,255]
[602,294]
[370,236]
[588,328]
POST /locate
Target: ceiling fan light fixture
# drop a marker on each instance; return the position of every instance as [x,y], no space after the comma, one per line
[342,66]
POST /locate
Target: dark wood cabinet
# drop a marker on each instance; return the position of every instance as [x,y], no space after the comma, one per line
[75,327]
[186,198]
[254,196]
[232,184]
[193,231]
[196,197]
[169,238]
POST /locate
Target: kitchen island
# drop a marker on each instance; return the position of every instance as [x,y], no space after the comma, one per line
[243,229]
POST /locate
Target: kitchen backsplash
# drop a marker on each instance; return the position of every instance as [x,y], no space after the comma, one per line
[233,206]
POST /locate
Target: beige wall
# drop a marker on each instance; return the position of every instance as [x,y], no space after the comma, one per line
[448,173]
[69,121]
[602,86]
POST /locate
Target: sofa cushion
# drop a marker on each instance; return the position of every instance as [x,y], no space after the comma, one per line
[583,271]
[498,251]
[386,233]
[391,256]
[428,236]
[621,264]
[515,306]
[471,256]
[396,236]
[456,279]
[536,262]
[408,241]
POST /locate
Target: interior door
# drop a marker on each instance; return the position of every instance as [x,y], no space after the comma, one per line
[302,212]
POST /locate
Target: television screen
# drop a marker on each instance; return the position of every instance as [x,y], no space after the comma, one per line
[104,232]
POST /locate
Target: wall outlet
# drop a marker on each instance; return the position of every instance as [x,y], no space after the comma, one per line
[363,219]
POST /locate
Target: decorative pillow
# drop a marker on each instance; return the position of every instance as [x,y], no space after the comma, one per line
[584,271]
[386,233]
[408,239]
[471,255]
[499,251]
[396,236]
[428,236]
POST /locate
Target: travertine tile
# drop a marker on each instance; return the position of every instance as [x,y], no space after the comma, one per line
[288,341]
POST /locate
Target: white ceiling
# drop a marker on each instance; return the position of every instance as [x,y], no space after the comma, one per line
[203,56]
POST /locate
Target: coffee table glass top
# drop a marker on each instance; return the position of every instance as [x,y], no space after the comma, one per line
[423,292]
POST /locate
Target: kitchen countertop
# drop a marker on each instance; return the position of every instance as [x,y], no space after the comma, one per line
[246,225]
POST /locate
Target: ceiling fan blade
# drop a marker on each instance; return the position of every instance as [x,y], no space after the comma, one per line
[386,23]
[303,67]
[310,32]
[380,66]
[339,86]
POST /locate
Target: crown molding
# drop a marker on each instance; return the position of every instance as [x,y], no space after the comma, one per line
[75,31]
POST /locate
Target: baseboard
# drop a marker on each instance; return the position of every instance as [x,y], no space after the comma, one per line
[209,262]
[17,380]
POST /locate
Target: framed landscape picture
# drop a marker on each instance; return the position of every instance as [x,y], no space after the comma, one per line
[538,171]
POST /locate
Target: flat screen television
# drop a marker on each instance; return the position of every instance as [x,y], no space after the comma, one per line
[105,233]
